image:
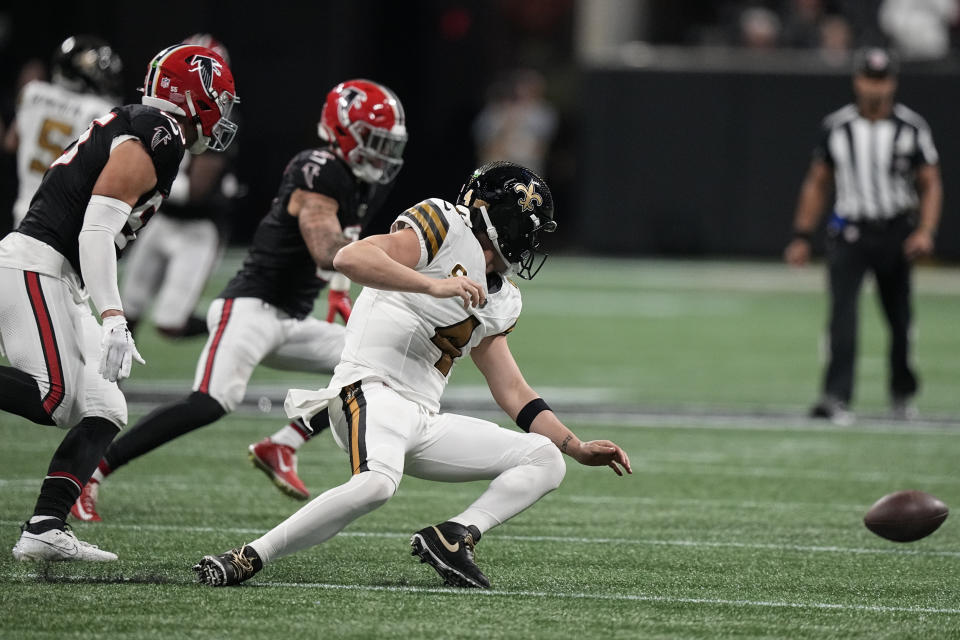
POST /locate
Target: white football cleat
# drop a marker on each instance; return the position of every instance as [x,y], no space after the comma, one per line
[56,545]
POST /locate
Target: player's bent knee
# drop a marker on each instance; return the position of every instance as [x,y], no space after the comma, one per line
[374,488]
[551,461]
[216,403]
[207,407]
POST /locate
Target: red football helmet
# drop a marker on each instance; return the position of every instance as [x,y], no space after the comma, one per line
[193,81]
[364,122]
[207,40]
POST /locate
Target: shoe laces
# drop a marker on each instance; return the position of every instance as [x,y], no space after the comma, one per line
[241,563]
[68,531]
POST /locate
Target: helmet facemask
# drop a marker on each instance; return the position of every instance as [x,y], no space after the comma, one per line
[219,135]
[518,248]
[378,156]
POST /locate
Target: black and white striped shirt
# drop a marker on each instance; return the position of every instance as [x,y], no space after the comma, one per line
[874,161]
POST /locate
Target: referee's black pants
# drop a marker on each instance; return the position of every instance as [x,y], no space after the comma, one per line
[851,251]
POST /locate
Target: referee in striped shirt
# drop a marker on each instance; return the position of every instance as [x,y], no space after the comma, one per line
[879,158]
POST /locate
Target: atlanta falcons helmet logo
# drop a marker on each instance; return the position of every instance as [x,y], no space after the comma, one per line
[350,97]
[206,67]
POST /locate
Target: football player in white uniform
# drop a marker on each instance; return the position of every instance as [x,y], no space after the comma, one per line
[86,76]
[435,291]
[65,360]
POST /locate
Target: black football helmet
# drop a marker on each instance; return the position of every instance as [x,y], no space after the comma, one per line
[515,206]
[87,64]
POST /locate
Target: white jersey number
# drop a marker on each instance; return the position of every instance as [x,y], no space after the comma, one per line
[71,153]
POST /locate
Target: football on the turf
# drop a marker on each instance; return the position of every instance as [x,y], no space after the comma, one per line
[905,516]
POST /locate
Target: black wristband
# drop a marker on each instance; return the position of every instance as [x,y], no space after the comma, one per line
[530,411]
[802,235]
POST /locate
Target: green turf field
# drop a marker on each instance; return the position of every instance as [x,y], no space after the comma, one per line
[742,519]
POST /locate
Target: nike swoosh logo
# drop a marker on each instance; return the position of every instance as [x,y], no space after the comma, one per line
[67,549]
[452,548]
[282,464]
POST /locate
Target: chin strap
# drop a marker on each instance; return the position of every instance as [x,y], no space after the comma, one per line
[493,235]
[202,142]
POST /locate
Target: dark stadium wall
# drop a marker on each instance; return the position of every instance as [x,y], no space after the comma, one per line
[694,163]
[285,60]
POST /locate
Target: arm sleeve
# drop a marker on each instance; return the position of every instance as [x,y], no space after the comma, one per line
[103,220]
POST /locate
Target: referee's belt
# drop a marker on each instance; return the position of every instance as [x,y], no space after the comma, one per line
[879,224]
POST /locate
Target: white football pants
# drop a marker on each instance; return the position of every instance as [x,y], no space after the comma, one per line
[387,435]
[168,267]
[247,331]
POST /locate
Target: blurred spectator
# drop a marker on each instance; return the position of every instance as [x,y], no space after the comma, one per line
[759,28]
[517,124]
[802,26]
[920,29]
[836,40]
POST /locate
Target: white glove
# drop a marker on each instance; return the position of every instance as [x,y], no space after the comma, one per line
[117,349]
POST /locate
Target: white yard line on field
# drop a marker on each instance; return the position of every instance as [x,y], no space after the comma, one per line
[638,597]
[704,544]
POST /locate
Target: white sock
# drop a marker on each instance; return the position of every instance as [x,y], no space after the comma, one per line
[325,516]
[289,436]
[515,489]
[97,476]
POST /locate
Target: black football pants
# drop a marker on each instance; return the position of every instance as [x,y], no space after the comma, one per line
[852,251]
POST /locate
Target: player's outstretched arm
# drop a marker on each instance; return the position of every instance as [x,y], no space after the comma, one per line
[388,262]
[524,406]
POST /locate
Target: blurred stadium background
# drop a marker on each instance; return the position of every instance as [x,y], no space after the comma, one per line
[675,134]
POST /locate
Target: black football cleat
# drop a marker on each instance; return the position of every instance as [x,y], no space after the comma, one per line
[448,548]
[230,568]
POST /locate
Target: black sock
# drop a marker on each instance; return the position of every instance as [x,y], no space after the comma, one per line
[318,423]
[20,394]
[72,465]
[45,525]
[162,425]
[194,326]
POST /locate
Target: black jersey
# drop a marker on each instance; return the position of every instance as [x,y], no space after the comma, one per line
[58,207]
[279,268]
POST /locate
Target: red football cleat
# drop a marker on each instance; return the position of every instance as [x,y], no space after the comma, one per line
[279,462]
[85,508]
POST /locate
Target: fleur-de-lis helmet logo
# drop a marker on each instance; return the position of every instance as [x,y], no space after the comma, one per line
[530,196]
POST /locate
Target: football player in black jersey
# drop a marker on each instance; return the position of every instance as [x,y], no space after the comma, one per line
[91,202]
[170,263]
[326,197]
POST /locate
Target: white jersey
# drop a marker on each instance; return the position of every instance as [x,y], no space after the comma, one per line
[49,118]
[411,341]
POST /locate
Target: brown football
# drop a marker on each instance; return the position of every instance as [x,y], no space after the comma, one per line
[905,516]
